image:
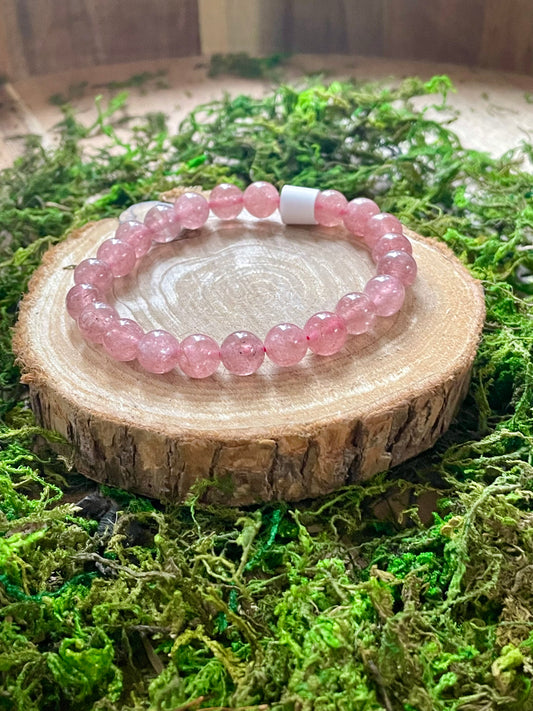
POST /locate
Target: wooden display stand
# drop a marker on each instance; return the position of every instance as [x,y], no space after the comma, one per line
[278,434]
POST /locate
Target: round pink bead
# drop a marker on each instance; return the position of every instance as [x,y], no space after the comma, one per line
[329,208]
[157,351]
[357,213]
[400,265]
[198,356]
[326,333]
[286,344]
[121,340]
[242,353]
[261,199]
[136,235]
[226,201]
[138,210]
[95,320]
[380,225]
[389,243]
[163,223]
[386,293]
[79,297]
[95,272]
[192,210]
[357,312]
[118,255]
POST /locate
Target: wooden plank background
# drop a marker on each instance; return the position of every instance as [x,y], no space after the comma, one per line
[44,36]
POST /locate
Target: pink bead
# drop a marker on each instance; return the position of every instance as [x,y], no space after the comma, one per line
[357,214]
[286,344]
[357,312]
[400,265]
[198,356]
[389,243]
[137,211]
[121,340]
[242,353]
[326,333]
[79,297]
[192,210]
[163,223]
[157,351]
[386,293]
[261,199]
[95,272]
[119,256]
[226,201]
[95,320]
[329,208]
[380,225]
[136,235]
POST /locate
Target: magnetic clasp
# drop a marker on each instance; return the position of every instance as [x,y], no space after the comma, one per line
[297,205]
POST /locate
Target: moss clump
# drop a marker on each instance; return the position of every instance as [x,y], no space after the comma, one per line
[317,606]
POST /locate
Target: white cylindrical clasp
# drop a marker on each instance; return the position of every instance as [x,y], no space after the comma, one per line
[297,205]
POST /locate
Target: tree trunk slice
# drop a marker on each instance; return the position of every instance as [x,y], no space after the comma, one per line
[285,434]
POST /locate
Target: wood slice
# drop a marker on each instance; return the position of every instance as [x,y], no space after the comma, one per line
[278,434]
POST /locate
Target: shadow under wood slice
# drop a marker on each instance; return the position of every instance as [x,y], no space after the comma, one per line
[286,434]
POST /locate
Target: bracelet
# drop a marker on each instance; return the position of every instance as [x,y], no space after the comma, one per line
[242,352]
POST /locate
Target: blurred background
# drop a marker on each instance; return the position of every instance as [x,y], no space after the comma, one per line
[171,55]
[43,36]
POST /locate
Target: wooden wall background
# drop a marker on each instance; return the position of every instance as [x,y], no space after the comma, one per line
[43,36]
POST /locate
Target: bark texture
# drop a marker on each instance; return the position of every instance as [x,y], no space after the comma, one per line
[279,434]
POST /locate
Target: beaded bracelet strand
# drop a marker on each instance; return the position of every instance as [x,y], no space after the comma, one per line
[242,352]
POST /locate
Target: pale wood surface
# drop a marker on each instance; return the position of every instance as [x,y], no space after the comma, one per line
[495,114]
[282,433]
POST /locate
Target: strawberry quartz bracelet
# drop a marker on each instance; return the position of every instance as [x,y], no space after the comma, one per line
[242,352]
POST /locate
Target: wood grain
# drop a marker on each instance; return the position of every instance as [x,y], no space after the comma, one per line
[279,434]
[507,36]
[44,36]
[5,60]
[312,26]
[440,30]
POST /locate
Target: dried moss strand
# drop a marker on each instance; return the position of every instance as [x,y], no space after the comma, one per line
[128,605]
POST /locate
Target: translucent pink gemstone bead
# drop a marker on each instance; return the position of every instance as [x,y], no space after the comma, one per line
[121,340]
[95,272]
[198,356]
[79,297]
[226,201]
[379,225]
[95,320]
[157,351]
[357,312]
[400,265]
[329,208]
[386,293]
[389,243]
[138,210]
[357,213]
[286,344]
[326,333]
[242,353]
[192,210]
[163,223]
[136,235]
[118,255]
[261,199]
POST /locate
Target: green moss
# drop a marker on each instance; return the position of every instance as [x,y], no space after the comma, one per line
[317,606]
[242,64]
